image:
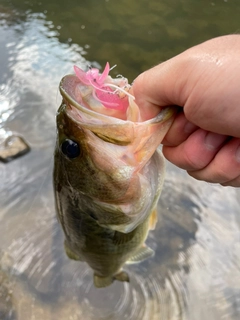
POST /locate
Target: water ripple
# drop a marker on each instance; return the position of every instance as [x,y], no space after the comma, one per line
[194,274]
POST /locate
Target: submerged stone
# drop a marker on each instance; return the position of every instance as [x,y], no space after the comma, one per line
[13,147]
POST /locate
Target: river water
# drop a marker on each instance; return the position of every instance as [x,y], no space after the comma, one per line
[195,273]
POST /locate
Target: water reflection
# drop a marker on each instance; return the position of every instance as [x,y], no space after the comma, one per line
[195,272]
[196,263]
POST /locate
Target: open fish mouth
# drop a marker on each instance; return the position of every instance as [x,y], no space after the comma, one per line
[99,95]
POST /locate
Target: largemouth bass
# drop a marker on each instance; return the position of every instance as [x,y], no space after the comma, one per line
[108,175]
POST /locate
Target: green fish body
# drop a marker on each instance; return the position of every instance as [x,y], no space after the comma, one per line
[108,177]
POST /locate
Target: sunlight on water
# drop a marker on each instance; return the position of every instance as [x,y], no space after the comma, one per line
[195,273]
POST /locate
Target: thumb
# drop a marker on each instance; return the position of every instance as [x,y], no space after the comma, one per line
[203,79]
[159,87]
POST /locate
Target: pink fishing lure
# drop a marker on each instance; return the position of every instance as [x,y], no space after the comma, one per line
[103,89]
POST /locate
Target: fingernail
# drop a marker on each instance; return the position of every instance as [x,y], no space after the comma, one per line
[214,140]
[189,127]
[238,154]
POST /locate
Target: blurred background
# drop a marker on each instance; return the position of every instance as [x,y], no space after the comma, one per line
[195,273]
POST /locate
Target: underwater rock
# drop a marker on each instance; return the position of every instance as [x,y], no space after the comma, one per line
[13,147]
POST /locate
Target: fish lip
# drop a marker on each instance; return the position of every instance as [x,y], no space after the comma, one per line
[165,113]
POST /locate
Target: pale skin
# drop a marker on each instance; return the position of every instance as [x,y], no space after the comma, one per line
[204,82]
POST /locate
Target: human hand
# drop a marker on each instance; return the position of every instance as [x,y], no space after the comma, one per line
[204,138]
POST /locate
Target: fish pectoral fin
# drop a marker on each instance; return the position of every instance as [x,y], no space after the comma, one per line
[101,282]
[153,219]
[140,254]
[71,255]
[121,238]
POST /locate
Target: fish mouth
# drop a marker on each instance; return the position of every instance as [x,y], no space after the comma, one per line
[140,138]
[68,89]
[111,129]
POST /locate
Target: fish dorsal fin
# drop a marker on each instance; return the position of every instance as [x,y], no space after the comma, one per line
[140,254]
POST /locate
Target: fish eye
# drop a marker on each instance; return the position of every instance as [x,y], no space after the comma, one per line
[70,149]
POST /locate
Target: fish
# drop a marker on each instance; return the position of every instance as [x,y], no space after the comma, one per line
[108,172]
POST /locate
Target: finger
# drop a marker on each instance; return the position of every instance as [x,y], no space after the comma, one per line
[232,183]
[197,151]
[225,167]
[180,130]
[154,88]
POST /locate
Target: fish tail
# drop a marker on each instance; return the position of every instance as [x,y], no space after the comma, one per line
[101,282]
